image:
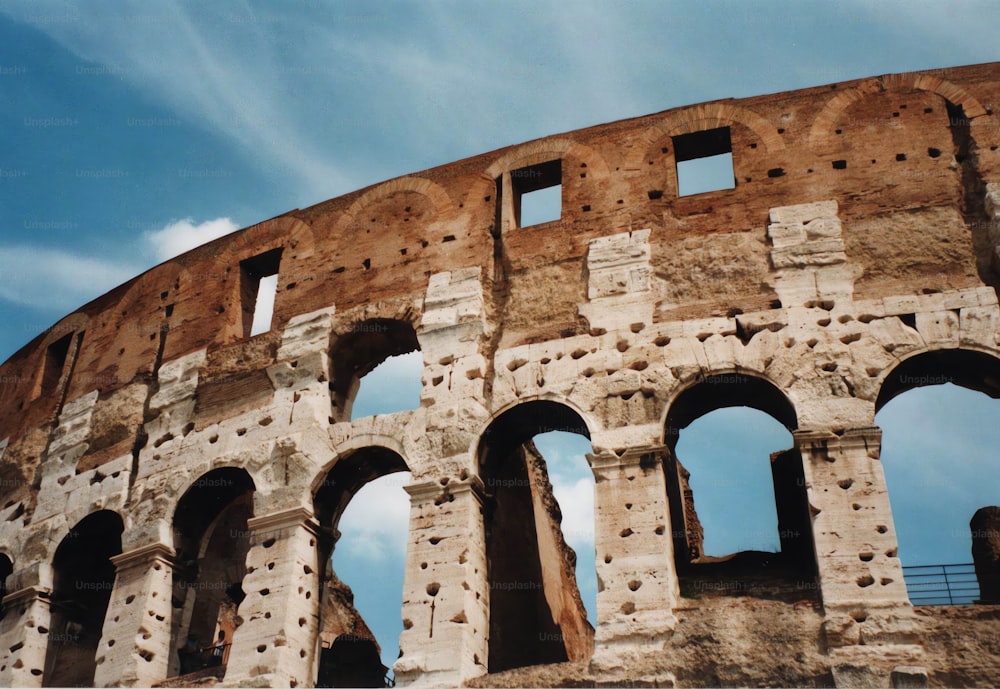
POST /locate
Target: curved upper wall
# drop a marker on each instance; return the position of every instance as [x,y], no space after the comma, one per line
[921,143]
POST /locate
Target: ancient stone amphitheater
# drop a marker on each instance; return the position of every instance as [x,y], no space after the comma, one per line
[166,474]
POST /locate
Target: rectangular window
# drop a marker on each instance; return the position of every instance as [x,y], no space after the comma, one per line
[258,287]
[704,161]
[55,362]
[537,193]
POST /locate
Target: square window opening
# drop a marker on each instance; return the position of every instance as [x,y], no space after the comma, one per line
[704,161]
[258,287]
[537,193]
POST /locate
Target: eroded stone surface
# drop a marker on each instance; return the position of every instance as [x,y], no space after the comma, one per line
[855,257]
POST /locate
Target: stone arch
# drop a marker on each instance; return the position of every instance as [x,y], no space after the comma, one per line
[536,614]
[831,112]
[763,571]
[935,526]
[83,578]
[211,541]
[434,192]
[6,569]
[340,622]
[700,118]
[974,368]
[753,389]
[587,425]
[549,149]
[361,345]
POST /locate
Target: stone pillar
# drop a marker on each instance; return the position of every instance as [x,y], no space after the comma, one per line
[275,644]
[445,591]
[136,643]
[24,630]
[985,527]
[637,579]
[870,626]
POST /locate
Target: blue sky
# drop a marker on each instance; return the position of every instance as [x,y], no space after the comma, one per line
[130,131]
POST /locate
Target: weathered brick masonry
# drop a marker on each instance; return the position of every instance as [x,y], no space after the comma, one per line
[165,474]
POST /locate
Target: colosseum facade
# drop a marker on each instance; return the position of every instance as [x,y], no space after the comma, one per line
[166,473]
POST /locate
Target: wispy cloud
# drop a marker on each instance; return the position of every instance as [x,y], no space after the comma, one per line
[376,522]
[235,87]
[179,236]
[55,280]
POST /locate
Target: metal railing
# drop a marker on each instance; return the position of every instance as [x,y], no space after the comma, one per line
[941,584]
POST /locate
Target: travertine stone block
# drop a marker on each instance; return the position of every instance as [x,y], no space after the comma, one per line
[635,561]
[619,274]
[445,591]
[23,642]
[856,547]
[136,648]
[276,642]
[808,255]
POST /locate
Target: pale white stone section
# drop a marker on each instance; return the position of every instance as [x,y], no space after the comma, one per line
[808,255]
[172,406]
[276,644]
[22,647]
[619,276]
[992,203]
[445,592]
[635,561]
[67,494]
[136,650]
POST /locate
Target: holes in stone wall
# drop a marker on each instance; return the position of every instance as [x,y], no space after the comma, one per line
[839,164]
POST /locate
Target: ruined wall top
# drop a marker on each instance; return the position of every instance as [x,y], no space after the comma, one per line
[912,148]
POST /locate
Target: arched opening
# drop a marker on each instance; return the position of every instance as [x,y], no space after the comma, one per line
[211,539]
[536,612]
[939,440]
[83,577]
[573,488]
[363,492]
[359,352]
[6,569]
[392,386]
[741,523]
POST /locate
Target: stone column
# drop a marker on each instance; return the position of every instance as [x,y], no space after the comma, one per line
[637,580]
[445,591]
[275,644]
[985,525]
[24,630]
[870,625]
[852,523]
[136,643]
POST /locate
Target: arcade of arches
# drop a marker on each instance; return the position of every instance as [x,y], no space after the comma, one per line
[174,483]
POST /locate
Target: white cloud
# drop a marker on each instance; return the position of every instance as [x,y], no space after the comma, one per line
[56,280]
[376,522]
[576,500]
[182,235]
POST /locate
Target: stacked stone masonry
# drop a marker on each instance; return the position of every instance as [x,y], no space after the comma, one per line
[857,254]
